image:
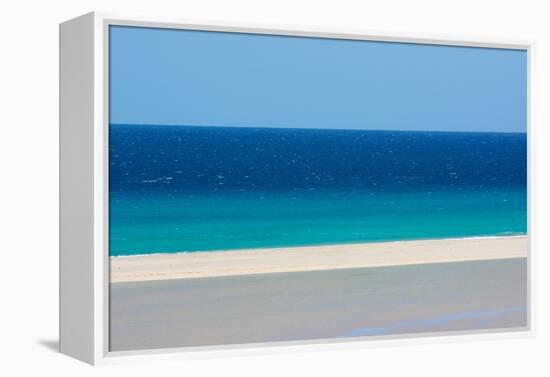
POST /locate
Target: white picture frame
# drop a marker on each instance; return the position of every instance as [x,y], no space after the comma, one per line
[84,259]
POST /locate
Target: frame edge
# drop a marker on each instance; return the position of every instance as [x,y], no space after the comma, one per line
[76,238]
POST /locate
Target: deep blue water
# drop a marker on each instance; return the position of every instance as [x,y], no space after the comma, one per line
[178,188]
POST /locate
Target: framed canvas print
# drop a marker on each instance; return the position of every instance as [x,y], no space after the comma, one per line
[229,186]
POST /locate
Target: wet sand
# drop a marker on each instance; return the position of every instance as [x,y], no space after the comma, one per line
[323,304]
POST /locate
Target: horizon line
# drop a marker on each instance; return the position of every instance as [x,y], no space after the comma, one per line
[310,128]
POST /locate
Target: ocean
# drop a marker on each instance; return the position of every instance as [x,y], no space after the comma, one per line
[186,188]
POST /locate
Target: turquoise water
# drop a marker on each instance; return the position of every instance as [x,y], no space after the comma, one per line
[148,223]
[176,189]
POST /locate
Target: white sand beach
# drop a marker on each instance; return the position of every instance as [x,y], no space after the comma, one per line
[313,258]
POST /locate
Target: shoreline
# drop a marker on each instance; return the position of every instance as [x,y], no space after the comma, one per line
[186,265]
[320,245]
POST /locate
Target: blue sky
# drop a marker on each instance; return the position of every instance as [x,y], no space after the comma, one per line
[164,76]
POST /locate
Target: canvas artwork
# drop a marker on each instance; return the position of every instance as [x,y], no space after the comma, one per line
[271,188]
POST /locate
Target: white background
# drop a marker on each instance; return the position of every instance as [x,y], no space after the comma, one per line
[29,184]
